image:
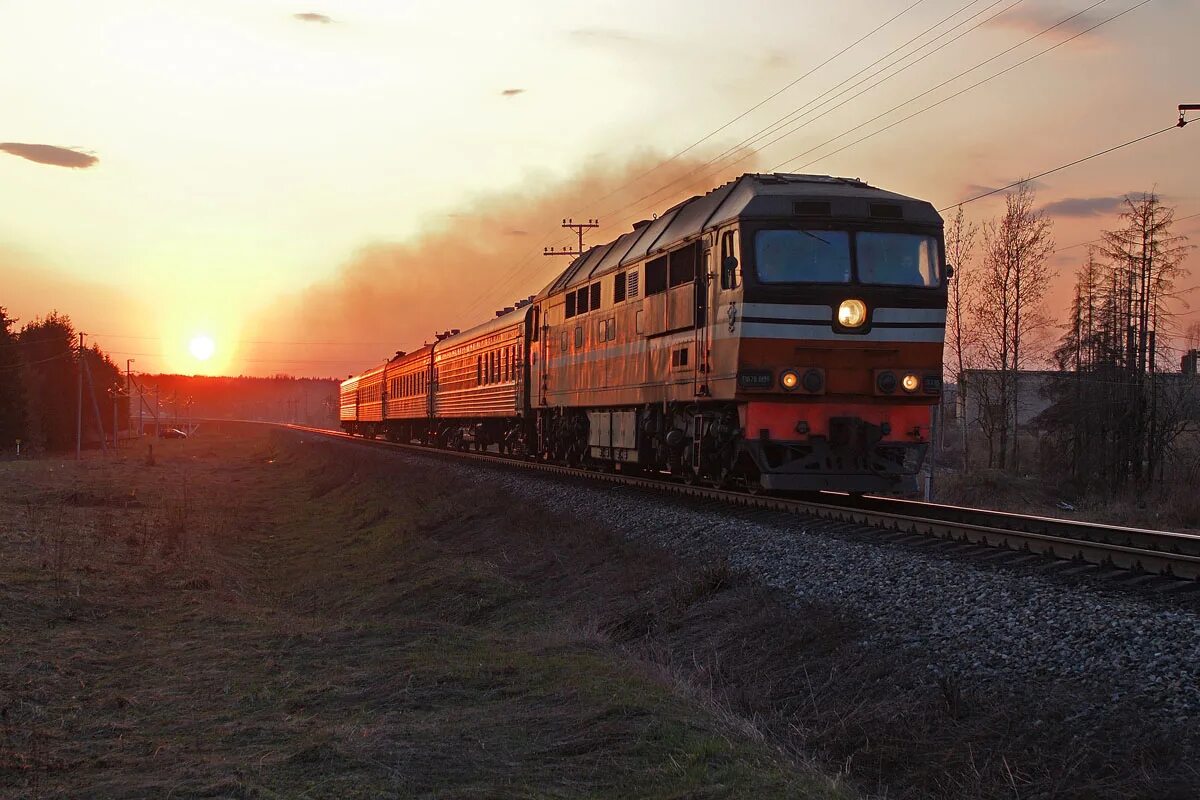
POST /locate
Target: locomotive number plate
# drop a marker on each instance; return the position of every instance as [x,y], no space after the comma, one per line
[756,378]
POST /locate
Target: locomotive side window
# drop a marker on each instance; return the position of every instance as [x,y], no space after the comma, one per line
[683,264]
[564,340]
[656,276]
[729,274]
[578,336]
[533,329]
[595,290]
[570,305]
[581,305]
[637,323]
[619,287]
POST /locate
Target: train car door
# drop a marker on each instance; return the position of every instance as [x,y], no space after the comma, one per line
[539,352]
[703,286]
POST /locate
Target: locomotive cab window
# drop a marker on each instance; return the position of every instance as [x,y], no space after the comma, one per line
[801,256]
[897,259]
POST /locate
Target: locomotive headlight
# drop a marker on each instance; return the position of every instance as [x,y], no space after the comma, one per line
[852,313]
[886,382]
[789,380]
[911,383]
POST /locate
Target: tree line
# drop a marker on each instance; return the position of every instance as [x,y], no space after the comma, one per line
[1113,411]
[39,373]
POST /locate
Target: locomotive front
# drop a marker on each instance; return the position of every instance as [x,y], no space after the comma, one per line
[835,338]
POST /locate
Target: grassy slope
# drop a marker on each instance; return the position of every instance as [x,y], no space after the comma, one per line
[257,618]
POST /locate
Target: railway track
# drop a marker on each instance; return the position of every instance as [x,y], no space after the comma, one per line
[1164,553]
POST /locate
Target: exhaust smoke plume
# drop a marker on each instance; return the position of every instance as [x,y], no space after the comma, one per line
[396,296]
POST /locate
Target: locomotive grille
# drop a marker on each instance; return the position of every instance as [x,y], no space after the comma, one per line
[812,208]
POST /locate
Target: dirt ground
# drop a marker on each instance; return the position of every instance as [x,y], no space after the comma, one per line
[271,614]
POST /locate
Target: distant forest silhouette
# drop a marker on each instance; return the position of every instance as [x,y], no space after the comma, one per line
[39,375]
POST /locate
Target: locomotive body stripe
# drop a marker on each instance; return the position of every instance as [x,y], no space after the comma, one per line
[824,333]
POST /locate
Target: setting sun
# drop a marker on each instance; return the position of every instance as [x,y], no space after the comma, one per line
[202,347]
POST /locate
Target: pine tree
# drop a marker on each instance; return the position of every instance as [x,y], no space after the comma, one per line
[12,389]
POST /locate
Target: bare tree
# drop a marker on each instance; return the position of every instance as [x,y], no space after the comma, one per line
[1115,413]
[1008,313]
[1191,336]
[1146,260]
[960,247]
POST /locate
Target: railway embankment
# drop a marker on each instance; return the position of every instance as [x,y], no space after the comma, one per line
[280,614]
[923,669]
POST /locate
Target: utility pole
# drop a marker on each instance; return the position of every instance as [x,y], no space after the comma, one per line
[79,404]
[579,228]
[129,394]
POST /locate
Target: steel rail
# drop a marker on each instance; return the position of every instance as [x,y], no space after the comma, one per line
[1154,552]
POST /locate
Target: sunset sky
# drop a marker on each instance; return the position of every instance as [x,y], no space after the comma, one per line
[314,186]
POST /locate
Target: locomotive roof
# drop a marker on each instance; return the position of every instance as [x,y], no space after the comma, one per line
[751,196]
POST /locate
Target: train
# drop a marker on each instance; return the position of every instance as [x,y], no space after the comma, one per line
[780,333]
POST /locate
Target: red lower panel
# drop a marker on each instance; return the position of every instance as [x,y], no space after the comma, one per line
[910,423]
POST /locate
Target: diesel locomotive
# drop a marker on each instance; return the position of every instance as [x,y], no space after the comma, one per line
[781,332]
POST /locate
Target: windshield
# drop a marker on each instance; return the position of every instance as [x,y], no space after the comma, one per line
[802,256]
[820,256]
[897,259]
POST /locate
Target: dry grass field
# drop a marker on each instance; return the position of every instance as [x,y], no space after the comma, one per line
[268,614]
[257,616]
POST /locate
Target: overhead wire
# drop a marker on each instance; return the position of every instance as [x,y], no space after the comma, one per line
[518,272]
[770,97]
[975,85]
[1060,168]
[740,148]
[1025,41]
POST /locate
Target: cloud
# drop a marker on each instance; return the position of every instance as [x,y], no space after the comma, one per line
[512,92]
[49,154]
[606,36]
[1084,206]
[1028,21]
[975,189]
[457,271]
[310,16]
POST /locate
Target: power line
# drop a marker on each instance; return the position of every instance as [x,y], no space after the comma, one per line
[916,97]
[1062,167]
[777,126]
[519,270]
[962,91]
[771,97]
